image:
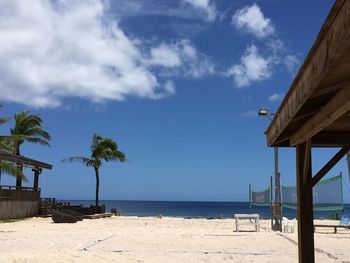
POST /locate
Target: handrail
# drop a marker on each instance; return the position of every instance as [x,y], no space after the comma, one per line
[11,187]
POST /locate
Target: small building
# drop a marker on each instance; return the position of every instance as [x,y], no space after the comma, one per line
[24,201]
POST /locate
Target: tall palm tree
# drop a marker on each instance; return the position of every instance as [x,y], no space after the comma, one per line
[27,128]
[5,145]
[102,149]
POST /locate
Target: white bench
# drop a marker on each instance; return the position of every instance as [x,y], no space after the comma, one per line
[253,220]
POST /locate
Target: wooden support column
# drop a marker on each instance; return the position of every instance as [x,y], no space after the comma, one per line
[305,207]
[18,180]
[37,172]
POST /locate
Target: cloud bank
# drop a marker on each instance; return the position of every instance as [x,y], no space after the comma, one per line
[71,49]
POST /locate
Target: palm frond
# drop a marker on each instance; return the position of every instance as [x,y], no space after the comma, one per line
[6,147]
[12,170]
[120,157]
[96,139]
[4,120]
[6,144]
[85,160]
[29,128]
[36,131]
[106,149]
[37,140]
[109,144]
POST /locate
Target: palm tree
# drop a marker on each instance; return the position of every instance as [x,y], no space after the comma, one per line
[27,128]
[5,167]
[102,149]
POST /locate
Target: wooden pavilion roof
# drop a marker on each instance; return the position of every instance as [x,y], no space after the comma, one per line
[25,161]
[317,105]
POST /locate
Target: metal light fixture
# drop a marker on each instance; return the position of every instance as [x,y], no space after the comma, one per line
[263,112]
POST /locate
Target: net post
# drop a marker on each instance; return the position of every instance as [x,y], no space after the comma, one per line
[280,200]
[250,193]
[271,200]
[341,190]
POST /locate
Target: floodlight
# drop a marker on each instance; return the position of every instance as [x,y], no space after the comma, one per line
[263,112]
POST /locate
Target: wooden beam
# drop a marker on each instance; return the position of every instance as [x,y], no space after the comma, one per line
[334,109]
[304,201]
[330,89]
[329,165]
[323,139]
[24,161]
[331,139]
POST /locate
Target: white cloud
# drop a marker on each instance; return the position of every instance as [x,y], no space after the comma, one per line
[252,67]
[70,49]
[180,58]
[292,63]
[249,114]
[275,97]
[251,20]
[200,9]
[170,87]
[164,55]
[276,46]
[204,6]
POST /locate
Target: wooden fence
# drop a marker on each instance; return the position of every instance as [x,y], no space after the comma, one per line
[18,203]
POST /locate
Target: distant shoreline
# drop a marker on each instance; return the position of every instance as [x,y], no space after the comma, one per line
[194,209]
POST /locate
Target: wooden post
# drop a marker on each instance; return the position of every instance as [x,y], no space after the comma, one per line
[18,180]
[271,199]
[37,172]
[305,206]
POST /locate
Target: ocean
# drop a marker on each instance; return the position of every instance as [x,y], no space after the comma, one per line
[195,209]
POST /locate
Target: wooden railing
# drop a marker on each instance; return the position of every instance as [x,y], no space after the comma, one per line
[24,193]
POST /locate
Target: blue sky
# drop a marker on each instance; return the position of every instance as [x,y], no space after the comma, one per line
[176,83]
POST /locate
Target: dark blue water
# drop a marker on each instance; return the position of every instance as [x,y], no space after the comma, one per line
[194,209]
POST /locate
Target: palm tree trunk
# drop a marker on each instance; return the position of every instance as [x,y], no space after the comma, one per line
[97,188]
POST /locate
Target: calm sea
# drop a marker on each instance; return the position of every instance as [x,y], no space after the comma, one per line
[193,209]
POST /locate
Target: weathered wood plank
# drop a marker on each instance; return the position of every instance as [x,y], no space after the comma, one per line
[331,139]
[329,89]
[334,109]
[5,156]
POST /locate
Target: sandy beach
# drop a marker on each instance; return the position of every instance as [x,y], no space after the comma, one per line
[151,239]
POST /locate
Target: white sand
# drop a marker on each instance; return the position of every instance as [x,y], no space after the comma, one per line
[147,239]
